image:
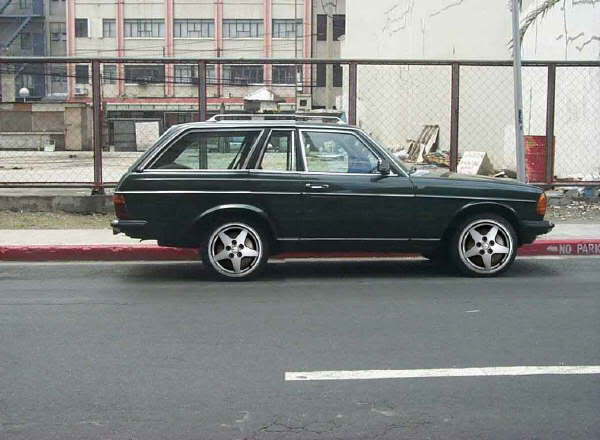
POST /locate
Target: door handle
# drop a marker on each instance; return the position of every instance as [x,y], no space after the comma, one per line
[317,186]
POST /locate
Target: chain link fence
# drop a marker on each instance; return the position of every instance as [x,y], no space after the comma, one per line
[430,113]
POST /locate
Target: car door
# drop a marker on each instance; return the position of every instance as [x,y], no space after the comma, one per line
[345,196]
[276,183]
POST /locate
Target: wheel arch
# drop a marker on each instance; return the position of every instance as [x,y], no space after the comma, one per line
[479,208]
[233,210]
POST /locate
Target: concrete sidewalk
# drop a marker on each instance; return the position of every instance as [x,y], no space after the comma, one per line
[101,244]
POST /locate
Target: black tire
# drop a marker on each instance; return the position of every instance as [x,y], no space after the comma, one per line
[477,250]
[225,257]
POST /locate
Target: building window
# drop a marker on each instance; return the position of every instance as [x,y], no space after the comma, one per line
[321,27]
[321,75]
[109,28]
[188,74]
[243,28]
[81,27]
[242,75]
[194,28]
[136,74]
[338,75]
[82,74]
[185,74]
[26,41]
[24,4]
[286,28]
[58,32]
[284,74]
[58,79]
[339,26]
[146,28]
[109,73]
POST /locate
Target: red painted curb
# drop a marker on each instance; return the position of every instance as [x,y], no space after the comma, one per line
[567,247]
[96,253]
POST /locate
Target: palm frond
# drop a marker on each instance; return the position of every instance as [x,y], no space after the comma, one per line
[530,18]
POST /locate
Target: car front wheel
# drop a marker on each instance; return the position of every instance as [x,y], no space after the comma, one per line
[235,250]
[484,245]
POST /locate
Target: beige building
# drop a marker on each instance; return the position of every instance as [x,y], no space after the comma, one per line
[168,94]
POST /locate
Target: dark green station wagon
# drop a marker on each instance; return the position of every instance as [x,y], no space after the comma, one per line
[243,190]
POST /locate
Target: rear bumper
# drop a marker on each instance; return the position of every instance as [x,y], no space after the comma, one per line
[131,228]
[529,230]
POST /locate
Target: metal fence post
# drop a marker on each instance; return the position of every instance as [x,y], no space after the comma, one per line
[202,90]
[97,132]
[352,93]
[550,108]
[454,112]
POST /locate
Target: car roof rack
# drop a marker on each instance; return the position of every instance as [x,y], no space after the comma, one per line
[326,118]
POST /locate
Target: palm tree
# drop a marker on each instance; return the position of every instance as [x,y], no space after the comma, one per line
[538,12]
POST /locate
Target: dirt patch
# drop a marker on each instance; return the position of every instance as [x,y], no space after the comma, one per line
[576,211]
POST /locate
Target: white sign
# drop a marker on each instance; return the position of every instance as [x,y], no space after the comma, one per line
[146,133]
[474,162]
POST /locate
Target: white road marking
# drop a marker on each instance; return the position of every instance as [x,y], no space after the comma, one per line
[472,311]
[441,372]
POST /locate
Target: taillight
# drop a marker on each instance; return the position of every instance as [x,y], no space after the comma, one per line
[542,203]
[120,206]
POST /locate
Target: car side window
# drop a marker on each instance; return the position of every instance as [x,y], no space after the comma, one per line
[336,152]
[278,154]
[205,150]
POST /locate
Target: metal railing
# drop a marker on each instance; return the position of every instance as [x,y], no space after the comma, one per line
[428,111]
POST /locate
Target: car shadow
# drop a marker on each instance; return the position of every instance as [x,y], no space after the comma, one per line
[334,269]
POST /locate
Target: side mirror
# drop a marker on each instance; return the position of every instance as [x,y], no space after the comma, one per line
[383,166]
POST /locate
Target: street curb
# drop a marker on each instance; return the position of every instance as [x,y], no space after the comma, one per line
[564,247]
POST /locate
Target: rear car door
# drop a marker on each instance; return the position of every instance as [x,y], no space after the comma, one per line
[345,196]
[276,183]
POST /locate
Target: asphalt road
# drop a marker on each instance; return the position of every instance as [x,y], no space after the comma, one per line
[149,351]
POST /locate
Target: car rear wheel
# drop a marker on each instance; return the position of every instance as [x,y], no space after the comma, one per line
[484,245]
[235,250]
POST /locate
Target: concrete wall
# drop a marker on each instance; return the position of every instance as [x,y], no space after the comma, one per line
[30,126]
[394,103]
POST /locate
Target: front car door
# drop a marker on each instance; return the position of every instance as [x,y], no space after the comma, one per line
[346,198]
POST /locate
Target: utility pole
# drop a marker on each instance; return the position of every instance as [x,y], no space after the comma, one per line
[297,67]
[519,140]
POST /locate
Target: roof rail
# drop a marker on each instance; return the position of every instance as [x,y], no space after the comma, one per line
[276,117]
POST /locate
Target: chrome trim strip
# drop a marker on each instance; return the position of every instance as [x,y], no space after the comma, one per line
[260,192]
[340,239]
[317,193]
[432,196]
[208,192]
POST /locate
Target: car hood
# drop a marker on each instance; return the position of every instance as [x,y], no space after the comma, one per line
[443,173]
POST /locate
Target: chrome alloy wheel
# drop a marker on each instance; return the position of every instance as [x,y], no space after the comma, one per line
[235,250]
[485,246]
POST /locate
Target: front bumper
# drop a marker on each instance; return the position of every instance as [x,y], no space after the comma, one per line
[131,228]
[529,229]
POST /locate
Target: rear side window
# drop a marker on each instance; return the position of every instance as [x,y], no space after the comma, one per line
[205,150]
